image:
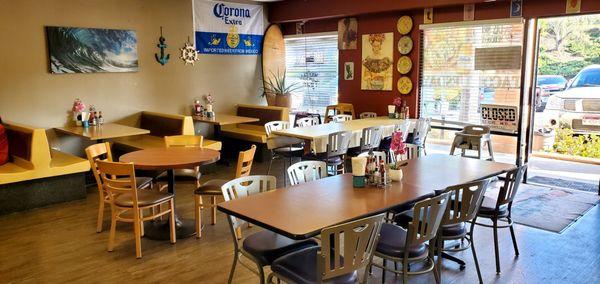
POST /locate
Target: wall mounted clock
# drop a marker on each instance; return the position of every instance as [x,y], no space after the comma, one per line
[404,25]
[404,85]
[405,45]
[404,65]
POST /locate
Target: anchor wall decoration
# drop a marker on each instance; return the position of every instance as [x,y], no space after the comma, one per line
[163,58]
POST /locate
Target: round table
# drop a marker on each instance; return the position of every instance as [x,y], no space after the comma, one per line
[170,159]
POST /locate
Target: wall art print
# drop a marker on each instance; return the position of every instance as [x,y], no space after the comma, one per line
[347,33]
[377,61]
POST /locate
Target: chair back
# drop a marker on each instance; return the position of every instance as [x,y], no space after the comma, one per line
[94,154]
[183,141]
[118,178]
[379,155]
[476,130]
[245,159]
[421,130]
[276,125]
[508,191]
[367,114]
[427,217]
[242,187]
[466,200]
[348,247]
[341,118]
[307,121]
[371,138]
[404,128]
[337,143]
[340,108]
[306,171]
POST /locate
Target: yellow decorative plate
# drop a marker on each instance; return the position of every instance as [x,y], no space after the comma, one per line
[405,45]
[404,65]
[404,85]
[404,25]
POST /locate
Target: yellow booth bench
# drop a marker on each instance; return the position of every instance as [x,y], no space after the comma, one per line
[37,175]
[161,125]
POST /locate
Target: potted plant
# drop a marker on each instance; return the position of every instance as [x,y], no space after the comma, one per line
[277,92]
[399,150]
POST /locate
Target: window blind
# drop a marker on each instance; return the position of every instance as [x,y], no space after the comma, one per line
[312,63]
[466,65]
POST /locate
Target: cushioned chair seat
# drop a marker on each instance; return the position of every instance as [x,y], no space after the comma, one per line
[145,198]
[181,175]
[488,208]
[211,187]
[392,241]
[266,246]
[285,151]
[301,267]
[402,219]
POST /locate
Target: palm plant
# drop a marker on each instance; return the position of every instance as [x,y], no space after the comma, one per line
[276,85]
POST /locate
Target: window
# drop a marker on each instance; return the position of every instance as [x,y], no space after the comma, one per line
[465,65]
[312,63]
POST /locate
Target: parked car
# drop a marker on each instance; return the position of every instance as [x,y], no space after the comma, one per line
[578,106]
[549,85]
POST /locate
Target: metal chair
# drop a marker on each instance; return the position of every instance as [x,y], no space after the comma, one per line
[332,262]
[500,209]
[307,121]
[474,138]
[409,246]
[282,147]
[341,118]
[337,148]
[405,128]
[212,188]
[306,171]
[127,203]
[420,134]
[367,114]
[102,152]
[262,247]
[371,138]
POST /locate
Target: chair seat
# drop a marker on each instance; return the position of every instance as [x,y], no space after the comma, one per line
[488,208]
[402,219]
[392,242]
[211,187]
[266,246]
[145,198]
[180,175]
[289,151]
[301,267]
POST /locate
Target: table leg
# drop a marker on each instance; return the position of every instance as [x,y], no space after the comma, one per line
[159,230]
[217,135]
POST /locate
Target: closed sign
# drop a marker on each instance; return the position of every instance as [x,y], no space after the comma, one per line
[499,116]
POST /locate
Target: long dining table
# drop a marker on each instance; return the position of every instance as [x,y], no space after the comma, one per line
[303,210]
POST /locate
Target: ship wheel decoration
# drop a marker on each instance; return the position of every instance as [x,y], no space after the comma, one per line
[189,54]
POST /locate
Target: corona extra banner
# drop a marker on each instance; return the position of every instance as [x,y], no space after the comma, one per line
[228,28]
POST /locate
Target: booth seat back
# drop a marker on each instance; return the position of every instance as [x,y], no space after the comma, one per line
[263,113]
[162,124]
[27,146]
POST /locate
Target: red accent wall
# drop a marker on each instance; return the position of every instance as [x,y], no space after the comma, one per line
[328,12]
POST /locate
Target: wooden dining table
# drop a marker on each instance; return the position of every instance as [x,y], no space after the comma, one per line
[170,159]
[102,132]
[303,210]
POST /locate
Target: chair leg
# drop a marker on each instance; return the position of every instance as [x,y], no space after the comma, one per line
[405,271]
[383,271]
[496,246]
[437,268]
[270,163]
[491,150]
[113,230]
[514,239]
[473,251]
[172,221]
[214,210]
[141,223]
[235,260]
[100,215]
[198,213]
[261,274]
[137,235]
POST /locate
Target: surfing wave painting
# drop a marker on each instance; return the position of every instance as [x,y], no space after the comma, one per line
[86,50]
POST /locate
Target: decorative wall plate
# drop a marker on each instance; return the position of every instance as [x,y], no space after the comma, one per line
[404,65]
[189,54]
[404,85]
[404,25]
[405,45]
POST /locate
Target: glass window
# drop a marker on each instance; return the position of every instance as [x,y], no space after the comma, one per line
[312,62]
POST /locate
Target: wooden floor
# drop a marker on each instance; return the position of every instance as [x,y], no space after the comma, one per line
[58,244]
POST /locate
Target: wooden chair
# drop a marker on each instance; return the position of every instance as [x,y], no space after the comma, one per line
[101,151]
[473,138]
[212,188]
[367,114]
[332,262]
[282,147]
[500,209]
[409,246]
[341,108]
[307,121]
[306,171]
[127,203]
[262,247]
[341,118]
[183,175]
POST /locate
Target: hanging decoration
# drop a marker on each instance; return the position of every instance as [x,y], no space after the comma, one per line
[404,25]
[428,16]
[188,53]
[163,58]
[405,46]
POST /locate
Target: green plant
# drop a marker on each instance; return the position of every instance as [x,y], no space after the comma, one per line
[276,85]
[581,145]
